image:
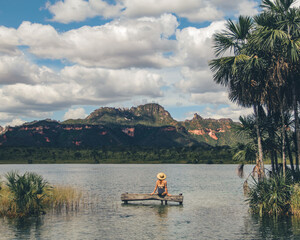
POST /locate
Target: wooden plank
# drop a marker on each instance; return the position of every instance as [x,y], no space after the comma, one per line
[144,197]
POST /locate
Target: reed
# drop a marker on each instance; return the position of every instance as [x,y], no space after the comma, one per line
[30,194]
[66,198]
[295,200]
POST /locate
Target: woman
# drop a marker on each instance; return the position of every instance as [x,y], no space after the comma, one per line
[161,185]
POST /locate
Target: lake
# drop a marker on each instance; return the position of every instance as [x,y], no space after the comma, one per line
[213,208]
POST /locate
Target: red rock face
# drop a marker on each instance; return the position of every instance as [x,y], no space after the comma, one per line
[169,129]
[207,131]
[128,131]
[197,132]
[77,143]
[212,135]
[72,128]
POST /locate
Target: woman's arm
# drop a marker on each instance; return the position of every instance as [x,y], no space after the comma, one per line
[154,188]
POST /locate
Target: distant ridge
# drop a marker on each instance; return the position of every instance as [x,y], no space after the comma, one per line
[146,125]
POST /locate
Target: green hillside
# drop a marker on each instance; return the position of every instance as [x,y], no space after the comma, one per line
[148,125]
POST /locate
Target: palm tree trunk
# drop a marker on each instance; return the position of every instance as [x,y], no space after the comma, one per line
[260,163]
[283,138]
[297,130]
[288,148]
[276,162]
[272,161]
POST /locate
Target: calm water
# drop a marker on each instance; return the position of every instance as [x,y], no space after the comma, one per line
[213,206]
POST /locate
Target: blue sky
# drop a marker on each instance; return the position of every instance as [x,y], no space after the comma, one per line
[63,59]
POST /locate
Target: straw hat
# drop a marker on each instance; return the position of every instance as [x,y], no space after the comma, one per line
[161,176]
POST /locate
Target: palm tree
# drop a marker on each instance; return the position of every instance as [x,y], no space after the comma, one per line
[277,34]
[28,192]
[265,67]
[241,73]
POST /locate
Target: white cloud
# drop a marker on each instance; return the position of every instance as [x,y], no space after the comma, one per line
[33,91]
[118,44]
[231,111]
[194,10]
[198,81]
[17,69]
[8,41]
[216,98]
[78,10]
[247,8]
[15,122]
[111,84]
[194,47]
[296,4]
[75,114]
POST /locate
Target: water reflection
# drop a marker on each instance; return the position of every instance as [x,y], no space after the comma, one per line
[284,227]
[214,206]
[22,228]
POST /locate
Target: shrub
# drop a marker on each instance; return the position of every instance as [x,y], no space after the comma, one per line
[270,196]
[29,194]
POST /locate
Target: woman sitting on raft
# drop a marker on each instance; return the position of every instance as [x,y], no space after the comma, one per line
[161,185]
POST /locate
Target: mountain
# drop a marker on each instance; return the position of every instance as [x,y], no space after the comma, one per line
[212,131]
[148,114]
[148,125]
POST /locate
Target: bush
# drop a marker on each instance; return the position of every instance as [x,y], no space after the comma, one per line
[27,191]
[270,196]
[29,194]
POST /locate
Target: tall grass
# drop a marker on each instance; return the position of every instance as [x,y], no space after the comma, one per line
[295,200]
[62,198]
[29,194]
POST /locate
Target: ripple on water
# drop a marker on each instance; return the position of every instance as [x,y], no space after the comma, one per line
[213,206]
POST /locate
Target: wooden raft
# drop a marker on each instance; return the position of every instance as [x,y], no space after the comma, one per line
[126,197]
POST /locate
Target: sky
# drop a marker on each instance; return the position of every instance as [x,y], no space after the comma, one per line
[62,59]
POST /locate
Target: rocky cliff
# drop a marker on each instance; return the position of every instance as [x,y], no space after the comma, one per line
[145,125]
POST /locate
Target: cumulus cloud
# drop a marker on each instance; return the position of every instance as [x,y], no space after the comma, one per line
[247,8]
[216,98]
[198,81]
[78,10]
[111,84]
[9,41]
[194,47]
[42,91]
[15,122]
[76,113]
[194,10]
[17,69]
[118,44]
[231,111]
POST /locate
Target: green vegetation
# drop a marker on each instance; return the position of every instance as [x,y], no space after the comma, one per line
[30,155]
[271,195]
[149,114]
[263,72]
[29,194]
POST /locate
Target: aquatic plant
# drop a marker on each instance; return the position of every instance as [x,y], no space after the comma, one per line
[295,200]
[63,198]
[30,194]
[27,192]
[271,195]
